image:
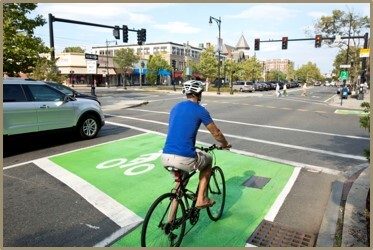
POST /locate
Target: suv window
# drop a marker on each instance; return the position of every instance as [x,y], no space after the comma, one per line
[45,93]
[13,93]
[238,83]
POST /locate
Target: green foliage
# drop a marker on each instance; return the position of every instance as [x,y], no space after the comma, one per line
[125,58]
[156,63]
[208,65]
[45,70]
[21,48]
[339,23]
[275,75]
[251,69]
[365,123]
[73,50]
[309,72]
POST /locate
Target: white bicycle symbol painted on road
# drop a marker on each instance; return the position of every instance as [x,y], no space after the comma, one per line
[136,165]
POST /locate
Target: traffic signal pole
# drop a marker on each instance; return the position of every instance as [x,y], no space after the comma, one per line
[55,19]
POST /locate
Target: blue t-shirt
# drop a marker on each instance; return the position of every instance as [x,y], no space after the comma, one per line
[185,120]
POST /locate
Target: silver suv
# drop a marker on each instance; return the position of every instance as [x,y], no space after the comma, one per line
[243,86]
[34,106]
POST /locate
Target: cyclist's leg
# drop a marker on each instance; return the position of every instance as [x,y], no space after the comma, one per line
[204,164]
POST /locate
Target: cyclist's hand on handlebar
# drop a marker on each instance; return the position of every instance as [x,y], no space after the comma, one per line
[227,147]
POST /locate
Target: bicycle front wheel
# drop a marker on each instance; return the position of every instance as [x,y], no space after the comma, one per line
[216,191]
[160,229]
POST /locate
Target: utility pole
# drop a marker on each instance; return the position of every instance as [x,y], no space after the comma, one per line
[107,64]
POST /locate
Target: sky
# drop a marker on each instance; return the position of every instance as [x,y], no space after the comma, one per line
[189,22]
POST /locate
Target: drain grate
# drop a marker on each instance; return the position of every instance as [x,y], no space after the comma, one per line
[270,234]
[256,182]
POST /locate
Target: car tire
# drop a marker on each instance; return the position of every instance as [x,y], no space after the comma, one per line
[88,127]
[241,90]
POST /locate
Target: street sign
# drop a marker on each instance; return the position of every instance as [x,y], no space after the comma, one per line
[344,75]
[91,66]
[364,52]
[345,66]
[91,56]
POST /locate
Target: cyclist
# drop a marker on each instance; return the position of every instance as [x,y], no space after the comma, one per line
[179,150]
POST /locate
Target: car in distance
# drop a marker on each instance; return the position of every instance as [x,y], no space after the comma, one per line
[243,86]
[31,106]
[71,92]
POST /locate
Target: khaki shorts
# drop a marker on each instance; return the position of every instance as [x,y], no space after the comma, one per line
[187,164]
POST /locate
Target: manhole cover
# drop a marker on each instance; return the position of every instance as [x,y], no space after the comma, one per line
[270,234]
[256,182]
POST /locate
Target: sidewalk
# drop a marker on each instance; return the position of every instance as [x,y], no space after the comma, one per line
[350,102]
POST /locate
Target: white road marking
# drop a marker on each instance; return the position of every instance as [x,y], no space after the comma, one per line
[118,213]
[356,157]
[271,215]
[267,126]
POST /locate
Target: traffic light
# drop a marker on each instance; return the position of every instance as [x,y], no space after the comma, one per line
[318,40]
[257,44]
[125,34]
[116,32]
[143,35]
[139,37]
[173,64]
[285,42]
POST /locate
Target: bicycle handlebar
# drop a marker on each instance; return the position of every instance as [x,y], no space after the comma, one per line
[212,147]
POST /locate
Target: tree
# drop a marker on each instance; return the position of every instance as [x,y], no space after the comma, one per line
[125,59]
[345,24]
[21,48]
[208,64]
[156,63]
[309,73]
[45,70]
[73,50]
[251,69]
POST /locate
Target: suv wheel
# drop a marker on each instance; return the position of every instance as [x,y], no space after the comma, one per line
[241,90]
[88,127]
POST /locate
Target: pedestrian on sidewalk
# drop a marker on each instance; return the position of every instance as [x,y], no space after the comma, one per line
[278,92]
[304,89]
[284,90]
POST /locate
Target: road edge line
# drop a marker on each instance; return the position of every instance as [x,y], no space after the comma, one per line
[114,210]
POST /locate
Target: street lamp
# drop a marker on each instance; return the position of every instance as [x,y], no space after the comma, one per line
[107,62]
[218,22]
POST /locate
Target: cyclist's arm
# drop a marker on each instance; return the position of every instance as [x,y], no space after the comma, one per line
[218,135]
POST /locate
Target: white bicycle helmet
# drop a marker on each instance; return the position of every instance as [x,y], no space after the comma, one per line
[193,87]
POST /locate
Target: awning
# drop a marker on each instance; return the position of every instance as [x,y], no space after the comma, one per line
[164,72]
[137,71]
[101,71]
[83,71]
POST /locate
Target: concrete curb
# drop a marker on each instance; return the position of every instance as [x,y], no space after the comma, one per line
[329,223]
[328,226]
[354,223]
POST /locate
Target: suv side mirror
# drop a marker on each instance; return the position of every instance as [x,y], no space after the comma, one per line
[68,98]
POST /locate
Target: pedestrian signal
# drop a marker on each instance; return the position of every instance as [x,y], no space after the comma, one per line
[116,32]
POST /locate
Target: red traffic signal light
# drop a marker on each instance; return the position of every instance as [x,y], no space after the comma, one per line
[284,42]
[318,40]
[257,44]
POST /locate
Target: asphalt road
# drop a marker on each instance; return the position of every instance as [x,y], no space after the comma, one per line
[301,131]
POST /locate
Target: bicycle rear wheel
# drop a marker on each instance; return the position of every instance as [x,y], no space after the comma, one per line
[156,230]
[216,191]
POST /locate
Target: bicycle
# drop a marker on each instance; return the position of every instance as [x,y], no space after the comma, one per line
[159,230]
